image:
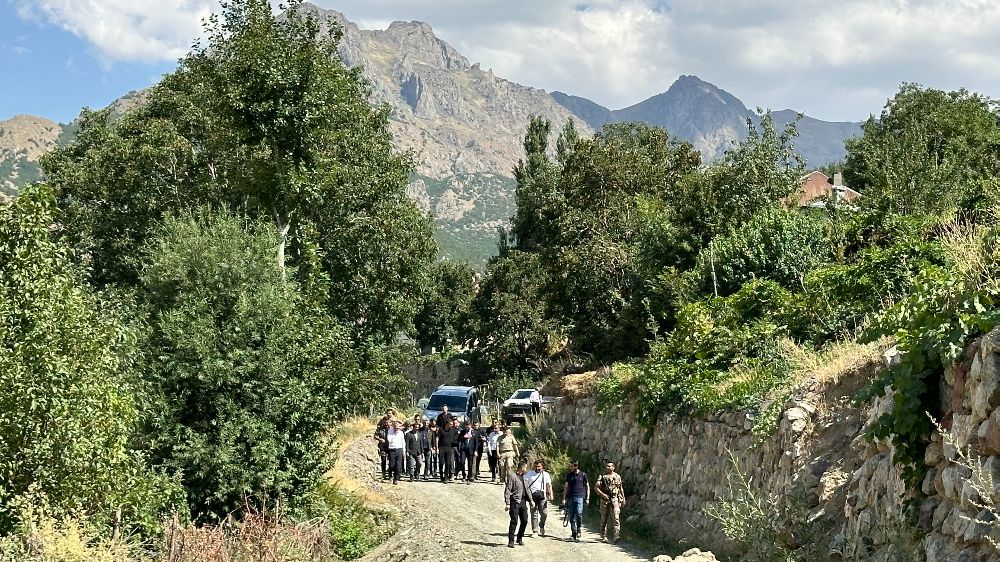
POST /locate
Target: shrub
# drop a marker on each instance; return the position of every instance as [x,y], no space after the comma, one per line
[776,244]
[246,375]
[68,409]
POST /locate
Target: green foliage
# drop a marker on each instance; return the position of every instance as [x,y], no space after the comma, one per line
[758,173]
[722,354]
[512,328]
[245,374]
[930,151]
[443,318]
[264,120]
[932,326]
[777,244]
[355,528]
[68,412]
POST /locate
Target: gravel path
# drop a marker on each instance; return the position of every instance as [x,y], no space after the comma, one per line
[445,522]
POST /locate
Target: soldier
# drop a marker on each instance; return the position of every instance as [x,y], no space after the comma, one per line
[508,450]
[609,488]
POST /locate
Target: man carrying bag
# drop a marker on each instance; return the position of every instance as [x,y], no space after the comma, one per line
[540,489]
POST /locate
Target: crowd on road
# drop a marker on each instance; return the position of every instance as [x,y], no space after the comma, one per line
[444,449]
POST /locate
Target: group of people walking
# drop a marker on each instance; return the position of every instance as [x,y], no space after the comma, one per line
[445,449]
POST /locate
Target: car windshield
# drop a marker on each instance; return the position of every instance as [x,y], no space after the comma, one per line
[521,394]
[455,403]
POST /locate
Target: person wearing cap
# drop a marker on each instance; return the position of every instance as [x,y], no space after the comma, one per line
[609,488]
[576,495]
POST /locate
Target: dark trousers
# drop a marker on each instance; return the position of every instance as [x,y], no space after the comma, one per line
[395,463]
[447,463]
[459,462]
[384,456]
[414,468]
[429,462]
[479,461]
[470,464]
[494,459]
[535,408]
[518,520]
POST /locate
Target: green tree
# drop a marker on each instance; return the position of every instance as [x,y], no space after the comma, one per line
[264,119]
[512,328]
[246,373]
[777,244]
[758,173]
[928,152]
[443,318]
[68,411]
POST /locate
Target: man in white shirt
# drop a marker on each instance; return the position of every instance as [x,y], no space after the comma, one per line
[397,444]
[536,402]
[540,494]
[491,450]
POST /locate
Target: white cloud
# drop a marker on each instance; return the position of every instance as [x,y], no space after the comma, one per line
[834,60]
[130,30]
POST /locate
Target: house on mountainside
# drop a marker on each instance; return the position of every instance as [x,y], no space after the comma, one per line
[816,189]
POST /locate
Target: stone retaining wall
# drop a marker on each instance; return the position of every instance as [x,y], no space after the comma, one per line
[818,461]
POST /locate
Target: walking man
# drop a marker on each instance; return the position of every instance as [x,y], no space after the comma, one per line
[480,445]
[414,451]
[609,488]
[540,491]
[508,450]
[576,495]
[515,499]
[469,451]
[426,438]
[492,437]
[381,437]
[397,444]
[446,436]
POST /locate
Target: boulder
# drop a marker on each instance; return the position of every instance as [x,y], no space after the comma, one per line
[693,555]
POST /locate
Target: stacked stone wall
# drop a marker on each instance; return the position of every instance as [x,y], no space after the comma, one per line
[818,460]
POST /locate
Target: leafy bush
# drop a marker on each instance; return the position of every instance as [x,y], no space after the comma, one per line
[354,528]
[245,374]
[68,411]
[777,244]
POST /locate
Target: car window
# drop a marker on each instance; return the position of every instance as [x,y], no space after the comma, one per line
[455,403]
[521,394]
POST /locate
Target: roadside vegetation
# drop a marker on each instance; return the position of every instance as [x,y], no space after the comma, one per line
[204,286]
[203,289]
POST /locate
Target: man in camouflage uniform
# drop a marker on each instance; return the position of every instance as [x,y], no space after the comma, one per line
[609,488]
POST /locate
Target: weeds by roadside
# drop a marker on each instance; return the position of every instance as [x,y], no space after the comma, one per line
[539,441]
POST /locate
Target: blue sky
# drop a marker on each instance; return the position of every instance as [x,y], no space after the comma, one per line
[836,60]
[53,73]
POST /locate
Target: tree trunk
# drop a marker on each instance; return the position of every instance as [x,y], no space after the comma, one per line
[282,226]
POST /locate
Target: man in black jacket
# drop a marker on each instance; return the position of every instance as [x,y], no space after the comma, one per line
[444,418]
[446,451]
[425,436]
[468,451]
[414,452]
[456,445]
[515,499]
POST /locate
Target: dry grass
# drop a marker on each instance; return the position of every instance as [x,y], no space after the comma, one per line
[973,252]
[347,433]
[574,387]
[829,366]
[260,536]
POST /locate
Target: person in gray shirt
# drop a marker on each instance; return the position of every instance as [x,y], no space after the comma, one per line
[516,499]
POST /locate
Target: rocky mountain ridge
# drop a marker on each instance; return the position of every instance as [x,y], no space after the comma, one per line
[23,140]
[712,119]
[464,125]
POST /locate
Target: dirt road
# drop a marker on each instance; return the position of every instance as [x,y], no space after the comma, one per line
[444,522]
